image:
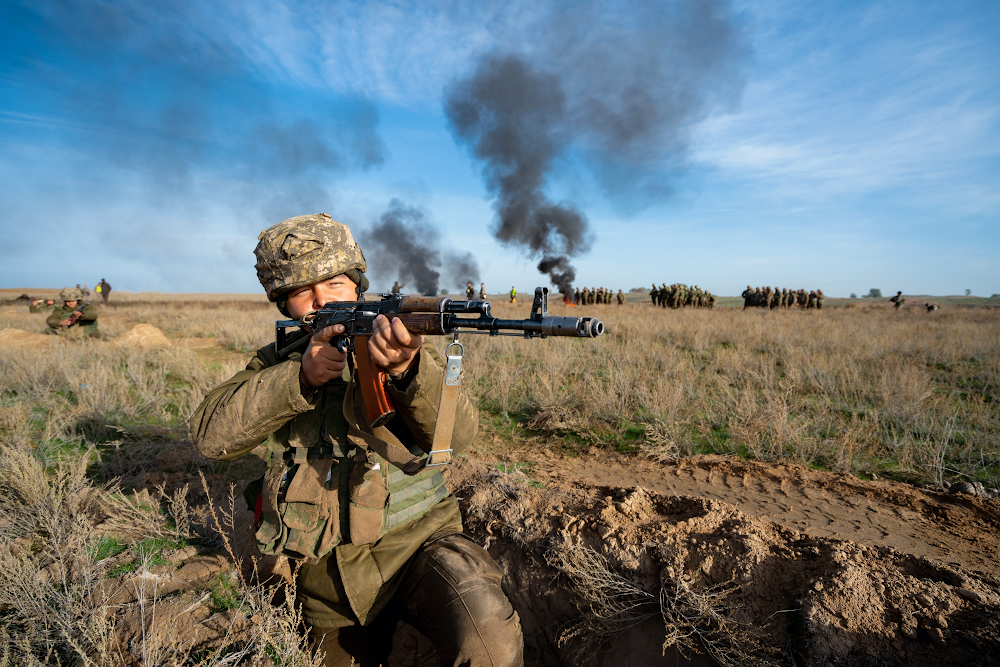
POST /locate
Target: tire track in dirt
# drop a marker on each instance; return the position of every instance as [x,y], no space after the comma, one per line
[957,530]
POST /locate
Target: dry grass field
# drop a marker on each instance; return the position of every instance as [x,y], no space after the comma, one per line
[99,484]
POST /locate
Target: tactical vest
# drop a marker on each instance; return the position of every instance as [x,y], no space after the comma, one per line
[324,488]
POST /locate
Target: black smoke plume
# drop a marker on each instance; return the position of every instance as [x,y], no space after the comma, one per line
[615,88]
[561,272]
[403,245]
[510,116]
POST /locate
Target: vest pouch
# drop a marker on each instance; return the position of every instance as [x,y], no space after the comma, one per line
[312,511]
[305,523]
[269,533]
[369,494]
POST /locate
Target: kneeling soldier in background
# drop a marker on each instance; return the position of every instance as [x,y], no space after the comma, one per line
[375,546]
[73,318]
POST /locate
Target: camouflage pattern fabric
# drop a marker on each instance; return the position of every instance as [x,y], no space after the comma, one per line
[303,250]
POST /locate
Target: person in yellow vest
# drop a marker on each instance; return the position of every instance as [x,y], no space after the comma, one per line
[513,294]
[373,544]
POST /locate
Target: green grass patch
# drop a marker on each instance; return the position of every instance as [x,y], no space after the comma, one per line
[225,594]
[107,546]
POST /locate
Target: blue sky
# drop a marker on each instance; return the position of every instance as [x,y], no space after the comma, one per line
[841,145]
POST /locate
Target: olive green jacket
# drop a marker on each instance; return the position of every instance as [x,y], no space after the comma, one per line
[87,324]
[306,429]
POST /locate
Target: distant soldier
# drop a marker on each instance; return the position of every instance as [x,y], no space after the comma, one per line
[50,304]
[513,294]
[470,291]
[85,291]
[74,317]
[811,303]
[397,287]
[898,300]
[104,288]
[710,300]
[482,291]
[36,306]
[621,298]
[819,299]
[803,299]
[576,296]
[767,298]
[654,294]
[747,297]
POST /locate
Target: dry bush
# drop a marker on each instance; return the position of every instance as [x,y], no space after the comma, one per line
[696,621]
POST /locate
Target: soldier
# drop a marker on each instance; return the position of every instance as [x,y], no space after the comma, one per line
[397,287]
[898,300]
[73,318]
[811,303]
[371,544]
[803,299]
[36,306]
[482,291]
[470,291]
[576,296]
[85,291]
[105,290]
[654,293]
[711,300]
[747,297]
[621,298]
[513,294]
[819,299]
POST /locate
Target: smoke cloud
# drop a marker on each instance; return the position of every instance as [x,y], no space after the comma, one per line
[404,245]
[617,89]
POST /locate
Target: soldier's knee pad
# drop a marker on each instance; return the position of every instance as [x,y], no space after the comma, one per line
[453,592]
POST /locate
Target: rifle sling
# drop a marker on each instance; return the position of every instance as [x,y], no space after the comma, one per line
[394,452]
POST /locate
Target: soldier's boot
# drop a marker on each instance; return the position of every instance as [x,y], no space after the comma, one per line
[451,593]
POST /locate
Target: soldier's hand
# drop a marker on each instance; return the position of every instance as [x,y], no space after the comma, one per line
[66,323]
[393,347]
[321,361]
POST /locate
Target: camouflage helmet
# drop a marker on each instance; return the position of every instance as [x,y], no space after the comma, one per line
[71,294]
[304,250]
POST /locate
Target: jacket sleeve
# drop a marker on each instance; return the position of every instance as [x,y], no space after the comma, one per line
[242,412]
[89,314]
[417,404]
[54,318]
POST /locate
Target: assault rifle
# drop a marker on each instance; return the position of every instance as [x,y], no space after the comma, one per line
[427,315]
[77,313]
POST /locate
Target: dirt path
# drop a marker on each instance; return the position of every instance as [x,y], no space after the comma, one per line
[957,530]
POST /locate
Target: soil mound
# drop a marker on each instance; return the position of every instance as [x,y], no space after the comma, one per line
[142,335]
[625,575]
[20,339]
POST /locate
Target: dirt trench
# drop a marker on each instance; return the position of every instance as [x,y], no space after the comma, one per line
[813,568]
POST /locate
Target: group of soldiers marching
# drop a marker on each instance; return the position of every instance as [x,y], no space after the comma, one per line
[755,297]
[589,296]
[680,295]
